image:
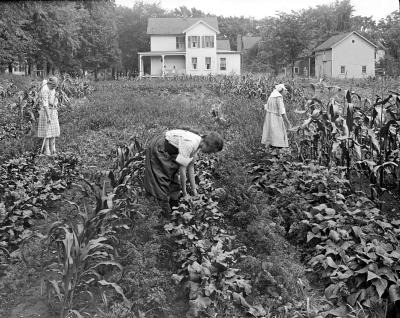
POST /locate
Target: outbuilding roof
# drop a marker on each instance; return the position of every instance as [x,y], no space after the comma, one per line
[332,41]
[164,26]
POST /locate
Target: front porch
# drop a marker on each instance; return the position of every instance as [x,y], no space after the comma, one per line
[162,64]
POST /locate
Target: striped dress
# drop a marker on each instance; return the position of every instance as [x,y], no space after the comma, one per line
[48,99]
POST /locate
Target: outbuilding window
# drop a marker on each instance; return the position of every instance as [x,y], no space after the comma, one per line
[364,69]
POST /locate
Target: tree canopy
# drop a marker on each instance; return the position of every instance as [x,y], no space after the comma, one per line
[76,36]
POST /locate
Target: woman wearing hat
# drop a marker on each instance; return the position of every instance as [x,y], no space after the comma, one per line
[274,130]
[48,127]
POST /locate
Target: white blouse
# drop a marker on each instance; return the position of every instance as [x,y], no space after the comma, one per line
[48,96]
[275,104]
[187,144]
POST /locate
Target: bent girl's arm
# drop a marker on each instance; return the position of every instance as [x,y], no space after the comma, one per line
[192,178]
[182,173]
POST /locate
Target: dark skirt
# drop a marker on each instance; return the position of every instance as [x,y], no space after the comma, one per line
[161,177]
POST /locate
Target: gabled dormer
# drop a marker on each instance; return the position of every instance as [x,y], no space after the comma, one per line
[180,34]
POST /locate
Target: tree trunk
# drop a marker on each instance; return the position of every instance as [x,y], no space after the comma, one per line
[44,68]
[10,68]
[95,74]
[293,69]
[34,70]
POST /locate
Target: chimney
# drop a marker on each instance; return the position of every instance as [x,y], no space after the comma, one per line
[239,43]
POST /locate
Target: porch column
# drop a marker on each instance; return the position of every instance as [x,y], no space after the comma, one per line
[141,74]
[163,68]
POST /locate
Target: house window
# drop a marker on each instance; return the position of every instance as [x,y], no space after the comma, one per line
[208,41]
[194,41]
[222,64]
[342,69]
[180,42]
[194,63]
[296,70]
[208,63]
[364,69]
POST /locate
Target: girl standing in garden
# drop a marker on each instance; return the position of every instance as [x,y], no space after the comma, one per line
[274,130]
[170,159]
[48,127]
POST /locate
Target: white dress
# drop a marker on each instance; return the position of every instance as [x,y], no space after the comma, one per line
[274,130]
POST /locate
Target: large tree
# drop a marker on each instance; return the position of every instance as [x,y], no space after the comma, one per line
[55,28]
[132,36]
[15,38]
[389,33]
[98,36]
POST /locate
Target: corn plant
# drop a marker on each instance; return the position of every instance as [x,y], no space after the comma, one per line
[85,252]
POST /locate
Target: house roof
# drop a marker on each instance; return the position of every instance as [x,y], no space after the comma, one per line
[223,45]
[332,41]
[177,25]
[380,46]
[228,52]
[250,41]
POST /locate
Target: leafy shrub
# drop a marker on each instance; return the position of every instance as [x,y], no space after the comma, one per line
[25,190]
[350,244]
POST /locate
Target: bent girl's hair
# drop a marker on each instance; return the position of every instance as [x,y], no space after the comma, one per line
[215,140]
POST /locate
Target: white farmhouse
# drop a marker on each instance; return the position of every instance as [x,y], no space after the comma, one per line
[347,55]
[187,46]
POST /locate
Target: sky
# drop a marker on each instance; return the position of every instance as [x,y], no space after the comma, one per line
[261,8]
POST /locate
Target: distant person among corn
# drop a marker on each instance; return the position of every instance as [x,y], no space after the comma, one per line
[170,159]
[274,130]
[48,127]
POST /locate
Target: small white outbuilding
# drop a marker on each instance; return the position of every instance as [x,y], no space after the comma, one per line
[346,55]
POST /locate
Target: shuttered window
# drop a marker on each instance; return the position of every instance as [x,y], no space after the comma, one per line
[194,41]
[180,42]
[208,41]
[222,64]
[208,63]
[194,63]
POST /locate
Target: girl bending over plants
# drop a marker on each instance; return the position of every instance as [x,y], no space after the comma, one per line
[170,160]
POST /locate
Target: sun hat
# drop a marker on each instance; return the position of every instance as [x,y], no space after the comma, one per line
[280,87]
[53,80]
